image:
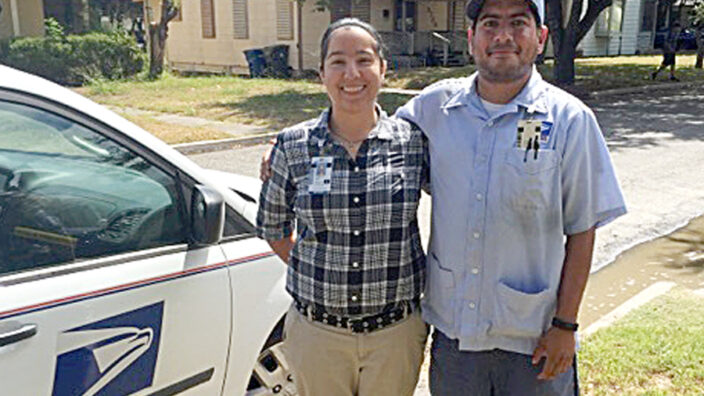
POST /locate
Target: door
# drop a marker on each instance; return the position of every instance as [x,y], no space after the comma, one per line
[99,291]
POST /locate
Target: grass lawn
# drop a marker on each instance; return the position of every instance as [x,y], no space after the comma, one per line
[263,102]
[656,350]
[172,133]
[592,74]
[276,103]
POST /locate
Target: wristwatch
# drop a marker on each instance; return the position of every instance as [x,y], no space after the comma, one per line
[561,324]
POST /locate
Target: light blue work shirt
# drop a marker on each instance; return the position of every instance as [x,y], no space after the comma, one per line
[500,213]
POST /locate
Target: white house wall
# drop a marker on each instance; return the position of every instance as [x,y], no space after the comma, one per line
[314,25]
[377,15]
[188,50]
[593,45]
[431,15]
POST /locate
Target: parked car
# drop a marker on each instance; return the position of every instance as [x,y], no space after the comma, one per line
[687,39]
[124,267]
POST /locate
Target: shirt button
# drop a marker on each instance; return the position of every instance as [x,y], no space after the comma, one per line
[356,233]
[490,123]
[354,297]
[356,169]
[479,197]
[355,265]
[476,235]
[475,270]
[472,305]
[355,199]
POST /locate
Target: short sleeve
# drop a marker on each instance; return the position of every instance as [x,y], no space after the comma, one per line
[412,111]
[275,216]
[591,194]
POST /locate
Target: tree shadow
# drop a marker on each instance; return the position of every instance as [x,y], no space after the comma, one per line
[648,119]
[277,111]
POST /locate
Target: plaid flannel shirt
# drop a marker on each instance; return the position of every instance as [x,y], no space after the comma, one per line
[357,249]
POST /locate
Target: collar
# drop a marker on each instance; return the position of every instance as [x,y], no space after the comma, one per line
[320,131]
[531,97]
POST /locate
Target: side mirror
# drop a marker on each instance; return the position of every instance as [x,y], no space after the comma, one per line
[207,216]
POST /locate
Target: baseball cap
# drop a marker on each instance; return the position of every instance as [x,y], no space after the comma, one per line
[475,6]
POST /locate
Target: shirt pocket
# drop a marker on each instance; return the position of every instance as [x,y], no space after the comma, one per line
[392,194]
[440,289]
[521,314]
[530,184]
[311,208]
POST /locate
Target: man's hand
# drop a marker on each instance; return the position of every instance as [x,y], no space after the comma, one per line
[557,347]
[265,165]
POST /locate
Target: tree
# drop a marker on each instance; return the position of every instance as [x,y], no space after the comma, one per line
[158,32]
[566,36]
[697,19]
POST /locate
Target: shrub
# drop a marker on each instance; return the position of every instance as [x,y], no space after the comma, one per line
[75,59]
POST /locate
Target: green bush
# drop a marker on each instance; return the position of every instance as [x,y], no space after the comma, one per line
[75,59]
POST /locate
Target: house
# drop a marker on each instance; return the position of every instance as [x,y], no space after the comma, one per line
[20,18]
[211,35]
[629,27]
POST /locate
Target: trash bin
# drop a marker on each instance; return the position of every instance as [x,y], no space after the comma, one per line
[256,61]
[276,57]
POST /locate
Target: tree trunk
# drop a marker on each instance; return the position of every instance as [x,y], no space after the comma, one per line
[158,33]
[564,64]
[156,49]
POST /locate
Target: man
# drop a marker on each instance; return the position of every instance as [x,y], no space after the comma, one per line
[669,52]
[521,178]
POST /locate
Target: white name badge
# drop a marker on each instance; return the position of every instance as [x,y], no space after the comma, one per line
[320,175]
[528,132]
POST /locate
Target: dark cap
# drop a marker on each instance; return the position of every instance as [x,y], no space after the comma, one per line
[474,7]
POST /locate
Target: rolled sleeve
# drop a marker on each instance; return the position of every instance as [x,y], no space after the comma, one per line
[275,216]
[591,193]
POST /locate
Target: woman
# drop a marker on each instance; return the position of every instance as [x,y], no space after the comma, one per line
[350,182]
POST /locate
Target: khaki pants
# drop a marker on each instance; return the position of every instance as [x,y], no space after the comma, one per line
[327,361]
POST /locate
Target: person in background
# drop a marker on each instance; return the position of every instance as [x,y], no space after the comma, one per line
[340,208]
[669,52]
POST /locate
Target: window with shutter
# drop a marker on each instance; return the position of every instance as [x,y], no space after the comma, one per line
[207,16]
[284,19]
[239,19]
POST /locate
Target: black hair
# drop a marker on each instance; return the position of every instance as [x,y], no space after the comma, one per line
[350,22]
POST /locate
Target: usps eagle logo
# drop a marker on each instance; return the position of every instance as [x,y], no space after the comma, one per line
[114,356]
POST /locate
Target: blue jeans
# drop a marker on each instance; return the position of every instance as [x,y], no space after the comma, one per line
[491,373]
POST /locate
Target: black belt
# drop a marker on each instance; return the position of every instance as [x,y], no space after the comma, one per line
[364,324]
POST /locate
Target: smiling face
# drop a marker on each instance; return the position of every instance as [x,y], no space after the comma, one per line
[352,71]
[505,41]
